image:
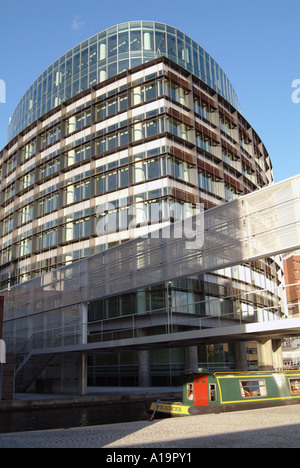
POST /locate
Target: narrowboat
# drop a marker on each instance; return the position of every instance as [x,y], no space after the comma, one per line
[214,392]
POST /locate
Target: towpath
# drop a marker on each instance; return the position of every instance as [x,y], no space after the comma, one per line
[266,428]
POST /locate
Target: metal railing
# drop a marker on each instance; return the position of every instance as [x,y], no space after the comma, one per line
[156,322]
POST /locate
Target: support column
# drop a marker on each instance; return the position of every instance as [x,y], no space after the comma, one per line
[83,375]
[191,359]
[270,355]
[265,355]
[241,356]
[83,358]
[83,322]
[144,368]
[277,354]
[137,96]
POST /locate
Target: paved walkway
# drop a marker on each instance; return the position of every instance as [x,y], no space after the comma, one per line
[268,428]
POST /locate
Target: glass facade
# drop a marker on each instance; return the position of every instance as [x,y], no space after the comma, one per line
[127,133]
[127,157]
[108,54]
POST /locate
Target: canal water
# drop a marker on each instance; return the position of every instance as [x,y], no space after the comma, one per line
[62,418]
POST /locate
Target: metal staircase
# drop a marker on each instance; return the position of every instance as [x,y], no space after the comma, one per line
[30,370]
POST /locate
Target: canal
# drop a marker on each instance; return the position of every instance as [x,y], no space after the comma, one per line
[67,417]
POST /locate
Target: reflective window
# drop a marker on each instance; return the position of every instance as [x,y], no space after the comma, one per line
[253,388]
[295,386]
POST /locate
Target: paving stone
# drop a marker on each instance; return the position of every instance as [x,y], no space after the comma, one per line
[266,428]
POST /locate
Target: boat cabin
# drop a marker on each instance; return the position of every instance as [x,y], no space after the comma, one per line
[235,388]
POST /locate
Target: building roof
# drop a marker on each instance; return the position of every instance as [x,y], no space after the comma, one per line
[109,53]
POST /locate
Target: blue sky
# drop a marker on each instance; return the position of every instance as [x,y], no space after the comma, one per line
[256,42]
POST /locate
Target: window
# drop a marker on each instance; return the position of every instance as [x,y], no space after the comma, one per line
[8,224]
[295,386]
[124,177]
[10,191]
[212,392]
[190,392]
[206,143]
[28,151]
[48,204]
[204,110]
[27,180]
[81,228]
[78,122]
[50,137]
[25,247]
[179,129]
[50,167]
[25,214]
[11,164]
[47,239]
[112,106]
[100,112]
[112,181]
[153,168]
[82,191]
[253,388]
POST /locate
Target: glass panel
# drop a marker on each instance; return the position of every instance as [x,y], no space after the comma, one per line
[295,386]
[112,45]
[172,46]
[253,388]
[135,40]
[123,42]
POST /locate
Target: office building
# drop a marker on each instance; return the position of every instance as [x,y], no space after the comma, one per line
[126,133]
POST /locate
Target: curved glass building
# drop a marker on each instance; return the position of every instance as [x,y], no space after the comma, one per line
[124,134]
[109,53]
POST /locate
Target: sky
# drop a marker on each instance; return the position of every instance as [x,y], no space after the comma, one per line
[256,42]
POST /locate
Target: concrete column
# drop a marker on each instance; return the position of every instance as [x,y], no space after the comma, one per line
[69,230]
[139,174]
[140,216]
[83,322]
[144,368]
[70,158]
[277,354]
[270,355]
[183,131]
[241,356]
[182,99]
[102,51]
[265,355]
[138,132]
[83,375]
[137,95]
[191,359]
[71,125]
[147,41]
[102,75]
[83,357]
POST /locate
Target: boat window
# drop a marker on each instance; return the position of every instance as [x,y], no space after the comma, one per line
[190,391]
[253,388]
[295,386]
[212,392]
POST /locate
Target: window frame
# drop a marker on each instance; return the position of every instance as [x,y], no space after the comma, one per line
[298,382]
[257,383]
